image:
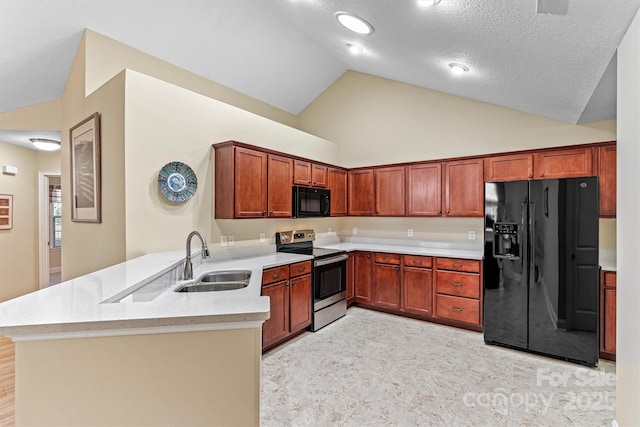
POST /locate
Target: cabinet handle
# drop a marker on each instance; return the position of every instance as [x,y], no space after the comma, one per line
[456,284]
[457,309]
[457,265]
[275,275]
[417,261]
[300,268]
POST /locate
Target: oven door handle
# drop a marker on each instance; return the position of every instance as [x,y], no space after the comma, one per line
[331,260]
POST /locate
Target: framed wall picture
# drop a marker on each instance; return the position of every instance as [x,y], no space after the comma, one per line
[85,170]
[6,211]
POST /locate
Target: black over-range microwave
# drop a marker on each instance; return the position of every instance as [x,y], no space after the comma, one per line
[310,202]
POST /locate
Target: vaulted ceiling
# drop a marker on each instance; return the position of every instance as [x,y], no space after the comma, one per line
[287,52]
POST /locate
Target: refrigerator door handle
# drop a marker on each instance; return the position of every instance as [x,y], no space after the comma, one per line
[532,244]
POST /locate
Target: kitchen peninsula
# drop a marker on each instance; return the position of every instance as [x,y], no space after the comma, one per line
[102,349]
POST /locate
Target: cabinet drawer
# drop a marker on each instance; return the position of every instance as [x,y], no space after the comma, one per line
[468,265]
[417,261]
[459,309]
[383,258]
[275,274]
[610,279]
[459,284]
[300,268]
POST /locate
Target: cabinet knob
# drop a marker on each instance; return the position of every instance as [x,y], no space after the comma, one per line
[397,268]
[287,284]
[371,212]
[368,256]
[315,182]
[309,182]
[293,283]
[270,212]
[404,269]
[264,212]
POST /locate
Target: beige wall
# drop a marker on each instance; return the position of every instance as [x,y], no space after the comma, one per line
[107,57]
[167,123]
[42,116]
[379,121]
[89,246]
[161,379]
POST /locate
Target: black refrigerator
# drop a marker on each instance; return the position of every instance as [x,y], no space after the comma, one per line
[541,273]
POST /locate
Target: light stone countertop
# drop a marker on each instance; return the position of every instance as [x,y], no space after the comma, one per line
[76,308]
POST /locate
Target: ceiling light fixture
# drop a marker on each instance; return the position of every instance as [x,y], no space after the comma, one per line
[45,144]
[457,68]
[354,23]
[427,3]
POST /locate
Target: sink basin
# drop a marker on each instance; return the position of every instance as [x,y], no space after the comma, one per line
[218,281]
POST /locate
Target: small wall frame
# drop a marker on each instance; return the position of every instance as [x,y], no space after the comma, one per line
[6,211]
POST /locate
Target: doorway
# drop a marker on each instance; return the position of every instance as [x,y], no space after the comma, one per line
[50,228]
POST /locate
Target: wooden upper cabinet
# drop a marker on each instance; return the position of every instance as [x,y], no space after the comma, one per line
[337,184]
[309,174]
[250,183]
[464,188]
[390,191]
[514,167]
[607,173]
[279,197]
[360,192]
[424,189]
[571,163]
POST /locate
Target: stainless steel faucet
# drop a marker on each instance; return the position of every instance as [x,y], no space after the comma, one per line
[188,267]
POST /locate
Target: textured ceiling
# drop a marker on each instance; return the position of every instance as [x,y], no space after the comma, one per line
[286,52]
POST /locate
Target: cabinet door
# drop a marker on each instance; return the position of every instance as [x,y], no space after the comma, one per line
[508,168]
[390,191]
[250,183]
[464,188]
[280,175]
[424,190]
[608,310]
[363,265]
[319,175]
[608,184]
[276,327]
[302,173]
[386,278]
[351,277]
[337,183]
[300,302]
[571,163]
[417,290]
[361,192]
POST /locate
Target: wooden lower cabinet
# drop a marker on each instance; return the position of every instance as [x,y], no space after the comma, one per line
[351,280]
[289,290]
[386,280]
[417,285]
[363,266]
[458,290]
[608,312]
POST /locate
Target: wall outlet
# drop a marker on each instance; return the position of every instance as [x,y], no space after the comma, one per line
[354,230]
[223,240]
[410,232]
[472,235]
[231,240]
[263,238]
[329,230]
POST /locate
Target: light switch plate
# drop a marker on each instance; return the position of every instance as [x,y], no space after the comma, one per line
[263,238]
[231,240]
[472,235]
[354,230]
[410,232]
[223,240]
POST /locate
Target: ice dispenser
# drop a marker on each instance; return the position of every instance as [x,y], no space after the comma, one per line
[507,240]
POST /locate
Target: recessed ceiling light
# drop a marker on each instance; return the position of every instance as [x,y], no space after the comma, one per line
[457,68]
[45,144]
[354,23]
[427,3]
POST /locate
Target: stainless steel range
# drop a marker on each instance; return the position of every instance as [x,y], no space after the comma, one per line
[329,291]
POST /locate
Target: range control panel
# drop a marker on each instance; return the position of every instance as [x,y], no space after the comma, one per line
[295,236]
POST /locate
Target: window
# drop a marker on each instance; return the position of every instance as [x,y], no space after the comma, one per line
[55,217]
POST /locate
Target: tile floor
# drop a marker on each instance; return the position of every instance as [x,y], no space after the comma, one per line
[372,368]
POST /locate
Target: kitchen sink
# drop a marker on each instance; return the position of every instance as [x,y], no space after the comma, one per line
[218,281]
